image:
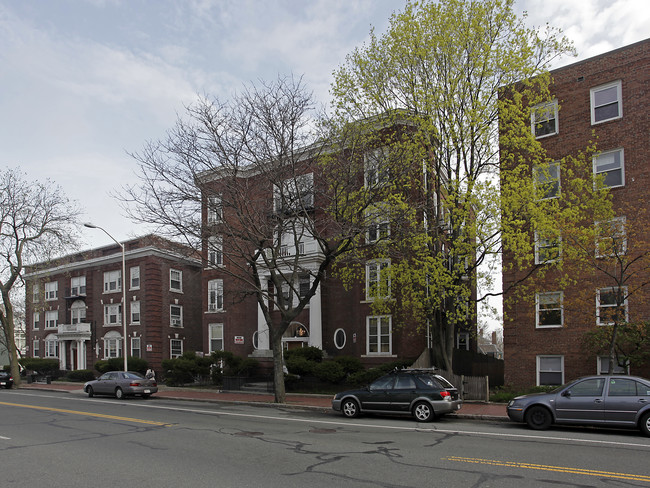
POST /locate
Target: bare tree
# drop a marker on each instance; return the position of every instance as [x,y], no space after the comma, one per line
[265,192]
[37,222]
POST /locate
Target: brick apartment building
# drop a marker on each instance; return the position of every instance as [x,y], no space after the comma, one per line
[339,320]
[74,305]
[606,94]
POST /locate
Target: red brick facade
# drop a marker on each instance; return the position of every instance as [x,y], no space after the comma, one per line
[523,341]
[73,292]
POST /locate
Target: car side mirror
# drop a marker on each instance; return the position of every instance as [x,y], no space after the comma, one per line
[566,393]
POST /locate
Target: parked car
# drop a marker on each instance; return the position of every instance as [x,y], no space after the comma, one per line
[417,392]
[121,384]
[6,380]
[617,400]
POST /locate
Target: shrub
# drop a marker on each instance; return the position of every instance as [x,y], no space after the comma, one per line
[117,364]
[300,366]
[350,364]
[81,375]
[329,371]
[310,353]
[233,365]
[41,365]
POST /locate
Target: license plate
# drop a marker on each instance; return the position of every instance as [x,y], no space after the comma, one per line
[147,391]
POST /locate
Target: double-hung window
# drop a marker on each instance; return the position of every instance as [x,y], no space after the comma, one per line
[543,119]
[136,347]
[550,370]
[135,277]
[294,195]
[606,102]
[550,312]
[51,319]
[377,279]
[135,312]
[215,332]
[175,348]
[215,251]
[378,220]
[376,167]
[611,238]
[610,166]
[36,320]
[547,248]
[611,305]
[379,335]
[78,286]
[113,314]
[175,280]
[215,295]
[51,290]
[112,281]
[51,346]
[547,180]
[215,209]
[176,315]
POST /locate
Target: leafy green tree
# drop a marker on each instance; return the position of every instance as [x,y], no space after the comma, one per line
[440,71]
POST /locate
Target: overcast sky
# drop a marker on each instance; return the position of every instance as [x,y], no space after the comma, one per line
[84,82]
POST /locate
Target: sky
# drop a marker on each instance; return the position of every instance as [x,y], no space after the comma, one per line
[85,83]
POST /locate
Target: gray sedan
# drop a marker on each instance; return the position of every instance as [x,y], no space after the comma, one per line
[617,401]
[121,384]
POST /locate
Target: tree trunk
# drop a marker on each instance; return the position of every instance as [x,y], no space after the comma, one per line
[278,368]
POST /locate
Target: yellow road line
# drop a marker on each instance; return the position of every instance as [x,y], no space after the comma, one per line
[558,469]
[87,414]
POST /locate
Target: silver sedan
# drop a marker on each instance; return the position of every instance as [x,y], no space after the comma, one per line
[121,384]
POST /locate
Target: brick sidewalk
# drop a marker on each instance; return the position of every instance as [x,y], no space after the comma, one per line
[470,410]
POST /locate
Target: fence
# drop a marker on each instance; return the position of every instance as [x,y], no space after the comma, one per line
[470,387]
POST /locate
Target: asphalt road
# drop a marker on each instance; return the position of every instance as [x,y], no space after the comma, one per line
[51,439]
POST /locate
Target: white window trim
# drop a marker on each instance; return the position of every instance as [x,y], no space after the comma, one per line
[51,291]
[36,319]
[538,309]
[380,266]
[78,286]
[345,338]
[215,251]
[171,349]
[134,273]
[603,153]
[180,280]
[538,247]
[618,223]
[537,109]
[135,308]
[112,342]
[178,321]
[114,276]
[211,337]
[548,167]
[137,340]
[598,305]
[379,318]
[537,366]
[465,336]
[107,313]
[215,209]
[617,369]
[217,287]
[619,99]
[48,320]
[375,167]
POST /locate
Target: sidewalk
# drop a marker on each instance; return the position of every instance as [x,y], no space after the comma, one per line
[470,410]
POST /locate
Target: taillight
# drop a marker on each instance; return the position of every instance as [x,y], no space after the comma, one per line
[445,395]
[153,383]
[134,383]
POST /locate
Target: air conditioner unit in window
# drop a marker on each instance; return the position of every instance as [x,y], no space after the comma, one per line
[176,322]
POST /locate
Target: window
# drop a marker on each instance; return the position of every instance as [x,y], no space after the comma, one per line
[134,273]
[611,305]
[78,286]
[462,341]
[175,280]
[611,238]
[78,312]
[113,314]
[377,280]
[547,180]
[550,312]
[611,167]
[379,335]
[112,345]
[36,294]
[215,209]
[543,119]
[135,312]
[51,346]
[136,347]
[603,366]
[606,103]
[588,388]
[294,194]
[112,281]
[176,348]
[376,167]
[176,315]
[51,319]
[52,290]
[339,338]
[36,319]
[547,248]
[304,285]
[378,224]
[550,370]
[215,295]
[36,352]
[215,251]
[626,387]
[215,332]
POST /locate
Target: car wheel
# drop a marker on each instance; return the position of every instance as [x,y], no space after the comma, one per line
[644,424]
[423,412]
[538,418]
[90,391]
[350,408]
[119,394]
[146,395]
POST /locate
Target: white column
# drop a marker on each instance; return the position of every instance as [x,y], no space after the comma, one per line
[316,320]
[63,354]
[263,339]
[81,354]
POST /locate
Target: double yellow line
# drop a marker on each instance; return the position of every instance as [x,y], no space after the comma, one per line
[557,469]
[88,414]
